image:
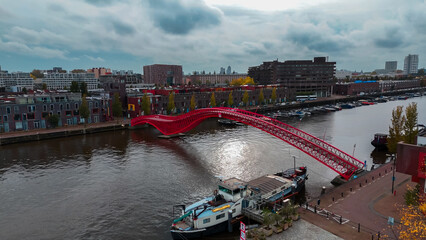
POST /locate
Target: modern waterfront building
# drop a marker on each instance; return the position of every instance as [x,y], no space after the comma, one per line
[162,74]
[60,81]
[390,66]
[32,111]
[302,75]
[411,64]
[16,82]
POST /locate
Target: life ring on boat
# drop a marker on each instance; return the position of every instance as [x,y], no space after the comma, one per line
[215,192]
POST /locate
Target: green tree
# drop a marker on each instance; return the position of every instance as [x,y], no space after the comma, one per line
[117,108]
[395,129]
[230,99]
[192,105]
[171,104]
[146,104]
[245,98]
[261,96]
[410,124]
[212,101]
[274,95]
[53,120]
[74,87]
[24,90]
[84,110]
[44,86]
[83,88]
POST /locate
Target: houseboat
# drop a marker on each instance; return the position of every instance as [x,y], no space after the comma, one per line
[380,141]
[210,215]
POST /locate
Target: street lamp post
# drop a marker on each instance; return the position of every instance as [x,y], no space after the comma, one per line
[294,163]
[393,170]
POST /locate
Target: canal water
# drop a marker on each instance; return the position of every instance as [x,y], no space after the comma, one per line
[123,184]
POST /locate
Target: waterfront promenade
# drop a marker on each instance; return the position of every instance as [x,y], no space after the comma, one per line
[64,131]
[367,200]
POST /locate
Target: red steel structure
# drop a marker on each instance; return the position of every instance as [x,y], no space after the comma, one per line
[339,161]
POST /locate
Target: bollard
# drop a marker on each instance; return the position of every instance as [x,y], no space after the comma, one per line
[327,215]
[394,193]
[340,219]
[319,201]
[342,194]
[307,205]
[359,227]
[372,237]
[380,175]
[315,208]
[360,185]
[332,199]
[372,177]
[230,221]
[350,189]
[365,180]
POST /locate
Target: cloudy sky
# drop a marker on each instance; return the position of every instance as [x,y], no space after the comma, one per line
[208,34]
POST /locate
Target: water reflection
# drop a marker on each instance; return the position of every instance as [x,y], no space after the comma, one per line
[379,157]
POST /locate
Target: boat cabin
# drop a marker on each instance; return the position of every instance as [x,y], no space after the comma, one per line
[232,189]
[271,187]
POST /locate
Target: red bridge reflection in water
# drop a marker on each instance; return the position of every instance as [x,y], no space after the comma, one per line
[341,162]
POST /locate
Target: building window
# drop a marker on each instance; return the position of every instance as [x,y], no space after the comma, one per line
[31,108]
[24,116]
[96,104]
[36,124]
[7,109]
[76,106]
[5,118]
[44,108]
[16,109]
[68,106]
[61,107]
[52,107]
[31,116]
[207,220]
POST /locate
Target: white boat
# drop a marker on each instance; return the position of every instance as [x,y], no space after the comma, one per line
[211,215]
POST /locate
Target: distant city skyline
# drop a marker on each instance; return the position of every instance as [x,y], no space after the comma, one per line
[207,35]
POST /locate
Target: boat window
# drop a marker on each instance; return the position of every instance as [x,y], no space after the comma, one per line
[234,210]
[274,192]
[225,190]
[207,220]
[220,216]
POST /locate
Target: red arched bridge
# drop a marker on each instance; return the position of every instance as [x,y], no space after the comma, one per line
[339,161]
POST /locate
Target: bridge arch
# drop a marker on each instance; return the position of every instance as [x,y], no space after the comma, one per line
[339,161]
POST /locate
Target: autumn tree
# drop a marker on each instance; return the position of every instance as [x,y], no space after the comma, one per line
[44,86]
[274,94]
[37,74]
[84,110]
[230,99]
[212,100]
[117,109]
[395,129]
[146,104]
[245,98]
[261,96]
[410,124]
[242,81]
[192,105]
[171,104]
[413,217]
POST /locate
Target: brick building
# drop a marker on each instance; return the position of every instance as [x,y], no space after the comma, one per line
[162,74]
[32,111]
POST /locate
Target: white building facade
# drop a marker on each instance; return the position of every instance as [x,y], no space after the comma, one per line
[59,81]
[411,64]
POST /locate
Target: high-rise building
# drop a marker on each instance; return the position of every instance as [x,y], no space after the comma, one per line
[163,74]
[222,70]
[390,66]
[228,70]
[411,64]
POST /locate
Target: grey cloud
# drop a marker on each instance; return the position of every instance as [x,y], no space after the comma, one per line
[391,39]
[122,28]
[178,17]
[314,40]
